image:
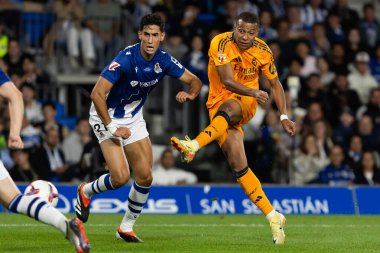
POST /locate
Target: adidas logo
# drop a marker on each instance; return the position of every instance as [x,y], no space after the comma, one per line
[257,199]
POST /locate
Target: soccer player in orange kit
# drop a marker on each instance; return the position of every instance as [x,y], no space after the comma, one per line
[235,61]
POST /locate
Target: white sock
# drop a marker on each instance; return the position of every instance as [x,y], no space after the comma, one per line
[271,214]
[196,144]
[138,195]
[38,209]
[102,184]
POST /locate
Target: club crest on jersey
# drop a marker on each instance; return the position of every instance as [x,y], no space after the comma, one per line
[157,68]
[113,66]
[222,58]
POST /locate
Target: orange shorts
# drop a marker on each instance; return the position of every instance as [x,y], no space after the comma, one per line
[248,106]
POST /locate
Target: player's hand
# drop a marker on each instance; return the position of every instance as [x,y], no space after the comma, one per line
[261,96]
[15,142]
[183,96]
[122,132]
[289,126]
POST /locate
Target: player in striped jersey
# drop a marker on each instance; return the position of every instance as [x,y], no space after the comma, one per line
[32,206]
[117,120]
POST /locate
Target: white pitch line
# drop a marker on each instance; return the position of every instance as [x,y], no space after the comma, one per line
[213,225]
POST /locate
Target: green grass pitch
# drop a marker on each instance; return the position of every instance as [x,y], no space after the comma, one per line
[200,233]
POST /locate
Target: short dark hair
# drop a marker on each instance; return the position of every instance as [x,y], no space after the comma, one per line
[49,104]
[152,19]
[166,151]
[29,85]
[83,118]
[248,17]
[312,75]
[368,6]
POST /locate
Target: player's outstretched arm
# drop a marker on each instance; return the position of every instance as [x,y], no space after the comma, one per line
[227,77]
[195,86]
[98,96]
[279,98]
[16,111]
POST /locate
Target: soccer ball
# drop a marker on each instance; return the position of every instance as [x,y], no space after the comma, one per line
[44,190]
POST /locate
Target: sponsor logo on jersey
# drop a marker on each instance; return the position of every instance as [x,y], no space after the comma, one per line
[150,83]
[144,84]
[134,83]
[222,58]
[113,66]
[136,69]
[176,62]
[157,68]
[147,69]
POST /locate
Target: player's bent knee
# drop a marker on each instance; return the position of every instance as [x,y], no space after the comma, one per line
[119,182]
[3,172]
[119,179]
[237,166]
[145,180]
[223,114]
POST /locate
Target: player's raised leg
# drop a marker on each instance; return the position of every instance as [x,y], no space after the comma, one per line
[38,209]
[188,147]
[139,155]
[233,149]
[119,175]
[218,126]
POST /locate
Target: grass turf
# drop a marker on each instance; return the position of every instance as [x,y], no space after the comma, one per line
[200,233]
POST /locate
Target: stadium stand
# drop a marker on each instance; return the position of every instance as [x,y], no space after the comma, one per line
[324,53]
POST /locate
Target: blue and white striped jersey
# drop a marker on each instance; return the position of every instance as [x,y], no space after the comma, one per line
[133,78]
[3,77]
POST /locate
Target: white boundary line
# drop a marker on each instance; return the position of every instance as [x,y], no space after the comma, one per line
[212,225]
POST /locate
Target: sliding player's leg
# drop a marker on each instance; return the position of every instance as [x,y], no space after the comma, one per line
[228,113]
[119,175]
[233,148]
[8,189]
[139,155]
[38,209]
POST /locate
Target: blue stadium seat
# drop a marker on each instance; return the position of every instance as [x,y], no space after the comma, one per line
[206,18]
[68,121]
[35,25]
[61,118]
[60,108]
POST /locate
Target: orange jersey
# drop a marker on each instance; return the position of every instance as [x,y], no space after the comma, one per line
[245,64]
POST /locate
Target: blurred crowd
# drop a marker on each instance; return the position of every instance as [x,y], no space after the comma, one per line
[327,54]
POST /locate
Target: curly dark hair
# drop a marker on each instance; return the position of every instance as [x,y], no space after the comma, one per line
[152,19]
[248,17]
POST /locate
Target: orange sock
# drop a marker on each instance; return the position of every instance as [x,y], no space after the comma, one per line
[252,187]
[217,127]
